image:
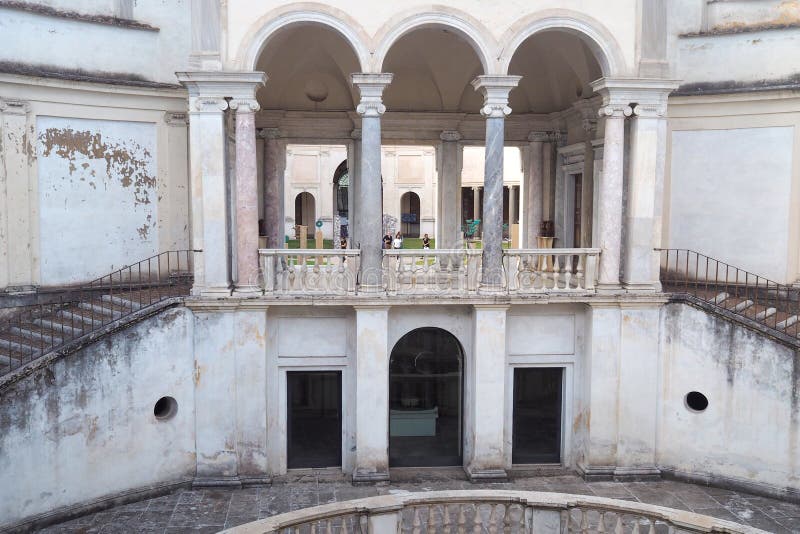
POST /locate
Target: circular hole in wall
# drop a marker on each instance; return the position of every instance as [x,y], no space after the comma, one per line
[165,408]
[696,401]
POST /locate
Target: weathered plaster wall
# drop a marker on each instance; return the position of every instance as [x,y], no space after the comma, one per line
[732,195]
[83,427]
[751,428]
[98,196]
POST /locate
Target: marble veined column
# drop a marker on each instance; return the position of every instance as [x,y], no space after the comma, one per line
[246,199]
[449,190]
[370,196]
[535,193]
[274,163]
[495,91]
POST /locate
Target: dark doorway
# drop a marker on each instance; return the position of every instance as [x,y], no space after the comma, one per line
[410,214]
[425,391]
[537,415]
[314,415]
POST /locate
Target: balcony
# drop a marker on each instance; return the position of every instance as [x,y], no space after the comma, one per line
[431,273]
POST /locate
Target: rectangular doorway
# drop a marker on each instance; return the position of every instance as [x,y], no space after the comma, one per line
[314,419]
[536,431]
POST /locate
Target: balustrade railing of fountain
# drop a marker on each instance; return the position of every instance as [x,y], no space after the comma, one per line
[546,270]
[489,512]
[309,271]
[431,272]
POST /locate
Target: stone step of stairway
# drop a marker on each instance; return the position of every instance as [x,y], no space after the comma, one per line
[720,298]
[769,312]
[786,323]
[121,302]
[37,335]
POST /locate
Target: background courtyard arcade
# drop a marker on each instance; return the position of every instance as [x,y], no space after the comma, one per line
[614,132]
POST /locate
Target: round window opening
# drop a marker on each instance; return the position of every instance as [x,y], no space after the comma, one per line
[696,401]
[165,408]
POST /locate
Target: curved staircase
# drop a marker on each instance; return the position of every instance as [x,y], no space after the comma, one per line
[29,332]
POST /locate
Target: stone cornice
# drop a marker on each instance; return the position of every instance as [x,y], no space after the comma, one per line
[240,86]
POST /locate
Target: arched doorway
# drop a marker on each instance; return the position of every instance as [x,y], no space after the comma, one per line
[409,214]
[425,399]
[304,211]
[341,208]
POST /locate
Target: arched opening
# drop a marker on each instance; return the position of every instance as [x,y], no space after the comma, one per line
[409,214]
[341,203]
[425,399]
[304,211]
[557,67]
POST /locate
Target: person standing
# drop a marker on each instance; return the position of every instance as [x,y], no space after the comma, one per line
[387,241]
[426,242]
[398,241]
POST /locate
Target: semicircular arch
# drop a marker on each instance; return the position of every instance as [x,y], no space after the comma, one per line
[597,37]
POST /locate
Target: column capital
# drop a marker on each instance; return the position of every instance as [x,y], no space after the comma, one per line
[495,91]
[356,133]
[173,118]
[244,105]
[208,104]
[623,95]
[450,135]
[14,107]
[371,86]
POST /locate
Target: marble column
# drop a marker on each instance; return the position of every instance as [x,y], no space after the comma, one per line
[353,168]
[645,189]
[274,164]
[535,193]
[486,395]
[512,207]
[370,201]
[476,202]
[609,203]
[495,91]
[372,395]
[246,199]
[449,190]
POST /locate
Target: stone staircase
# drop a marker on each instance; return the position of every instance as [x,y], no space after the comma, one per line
[29,332]
[758,302]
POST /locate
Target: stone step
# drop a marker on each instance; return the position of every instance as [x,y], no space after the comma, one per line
[720,298]
[789,321]
[743,305]
[36,336]
[119,301]
[19,347]
[77,318]
[98,309]
[68,329]
[5,359]
[769,312]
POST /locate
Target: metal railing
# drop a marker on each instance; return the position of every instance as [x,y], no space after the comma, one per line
[32,331]
[491,512]
[730,288]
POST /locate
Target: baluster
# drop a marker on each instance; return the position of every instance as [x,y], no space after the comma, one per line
[652,526]
[581,281]
[568,264]
[493,517]
[601,526]
[405,523]
[566,521]
[329,526]
[556,271]
[618,529]
[462,520]
[431,528]
[584,521]
[478,523]
[526,520]
[635,526]
[416,525]
[507,519]
[363,523]
[447,523]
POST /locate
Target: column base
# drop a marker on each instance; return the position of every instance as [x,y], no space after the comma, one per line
[217,482]
[491,289]
[363,478]
[596,473]
[636,474]
[21,290]
[248,481]
[642,287]
[607,288]
[247,292]
[486,475]
[371,289]
[211,292]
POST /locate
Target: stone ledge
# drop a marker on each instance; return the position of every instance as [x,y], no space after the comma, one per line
[48,11]
[79,75]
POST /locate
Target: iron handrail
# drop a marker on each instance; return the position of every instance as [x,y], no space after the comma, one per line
[34,330]
[735,290]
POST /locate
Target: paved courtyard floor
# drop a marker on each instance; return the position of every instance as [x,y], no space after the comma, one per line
[212,510]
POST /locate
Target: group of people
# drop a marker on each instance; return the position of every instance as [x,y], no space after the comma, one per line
[397,241]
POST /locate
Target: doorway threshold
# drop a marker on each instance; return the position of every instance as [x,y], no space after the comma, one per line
[427,474]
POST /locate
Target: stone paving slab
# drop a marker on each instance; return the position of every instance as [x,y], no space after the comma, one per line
[212,510]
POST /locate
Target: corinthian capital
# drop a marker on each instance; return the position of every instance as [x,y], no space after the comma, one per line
[495,91]
[450,135]
[371,87]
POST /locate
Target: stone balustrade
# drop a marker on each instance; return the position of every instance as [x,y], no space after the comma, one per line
[435,272]
[490,512]
[307,272]
[431,272]
[551,270]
